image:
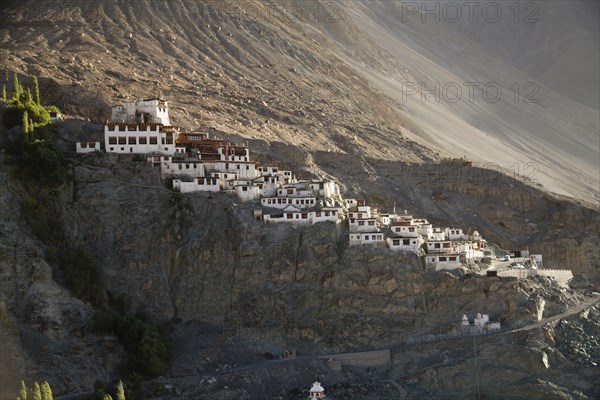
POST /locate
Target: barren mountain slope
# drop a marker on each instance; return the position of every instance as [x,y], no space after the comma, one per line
[242,67]
[314,73]
[520,90]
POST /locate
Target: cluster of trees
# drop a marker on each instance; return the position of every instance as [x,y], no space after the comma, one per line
[44,392]
[101,395]
[148,345]
[38,392]
[38,157]
[25,107]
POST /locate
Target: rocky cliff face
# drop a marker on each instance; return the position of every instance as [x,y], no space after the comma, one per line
[204,258]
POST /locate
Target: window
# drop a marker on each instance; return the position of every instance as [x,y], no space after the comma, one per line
[112,149]
[153,140]
[442,259]
[411,229]
[406,242]
[122,140]
[437,245]
[112,140]
[143,140]
[290,191]
[244,189]
[373,237]
[132,140]
[452,258]
[361,223]
[396,242]
[371,223]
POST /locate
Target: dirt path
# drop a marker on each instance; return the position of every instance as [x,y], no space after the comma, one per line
[580,307]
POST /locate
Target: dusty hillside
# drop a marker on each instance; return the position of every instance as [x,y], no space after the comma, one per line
[309,73]
[309,88]
[503,89]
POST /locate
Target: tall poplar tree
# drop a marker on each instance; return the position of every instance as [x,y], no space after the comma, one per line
[36,91]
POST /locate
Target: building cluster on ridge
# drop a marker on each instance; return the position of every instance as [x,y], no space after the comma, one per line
[445,248]
[196,162]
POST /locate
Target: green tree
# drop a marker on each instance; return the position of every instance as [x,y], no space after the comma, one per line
[15,93]
[120,391]
[46,391]
[22,392]
[107,397]
[25,123]
[4,92]
[37,393]
[36,91]
[27,96]
[31,126]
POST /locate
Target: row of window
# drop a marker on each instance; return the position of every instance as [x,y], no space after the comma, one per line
[362,223]
[437,245]
[285,200]
[400,228]
[373,237]
[405,242]
[141,140]
[130,149]
[444,259]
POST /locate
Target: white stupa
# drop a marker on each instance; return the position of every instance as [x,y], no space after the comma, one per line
[465,321]
[317,391]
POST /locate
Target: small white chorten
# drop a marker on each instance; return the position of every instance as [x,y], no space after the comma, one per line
[317,391]
[465,321]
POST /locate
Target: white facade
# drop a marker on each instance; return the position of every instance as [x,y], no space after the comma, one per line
[139,139]
[197,185]
[405,230]
[426,230]
[441,262]
[440,246]
[366,238]
[454,234]
[384,219]
[296,216]
[437,234]
[403,244]
[151,111]
[361,212]
[349,203]
[363,225]
[191,169]
[247,192]
[87,147]
[323,188]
